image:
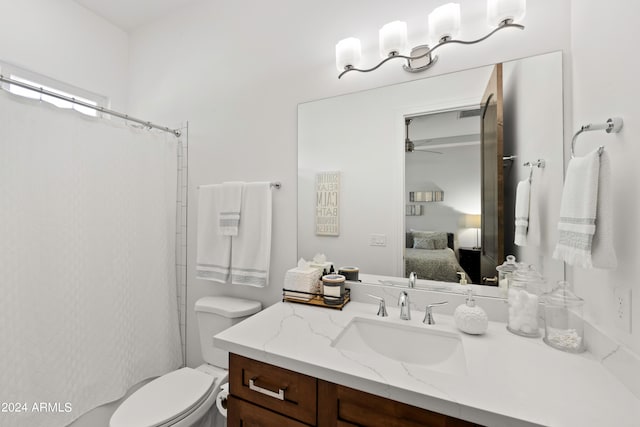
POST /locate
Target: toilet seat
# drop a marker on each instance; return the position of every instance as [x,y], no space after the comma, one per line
[167,399]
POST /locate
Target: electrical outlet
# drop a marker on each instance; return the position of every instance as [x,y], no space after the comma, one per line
[622,301]
[377,240]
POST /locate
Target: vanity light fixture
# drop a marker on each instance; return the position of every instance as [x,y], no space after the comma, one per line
[444,26]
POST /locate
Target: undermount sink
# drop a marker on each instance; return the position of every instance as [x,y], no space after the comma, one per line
[416,345]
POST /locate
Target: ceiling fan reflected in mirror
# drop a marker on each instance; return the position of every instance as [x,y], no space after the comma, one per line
[410,146]
[443,130]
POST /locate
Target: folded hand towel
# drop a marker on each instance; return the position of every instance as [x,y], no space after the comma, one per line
[523,192]
[230,207]
[213,257]
[578,211]
[251,249]
[603,254]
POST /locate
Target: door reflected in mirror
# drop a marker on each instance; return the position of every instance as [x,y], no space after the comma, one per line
[423,137]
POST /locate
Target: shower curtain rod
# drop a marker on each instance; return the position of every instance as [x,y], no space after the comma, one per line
[176,132]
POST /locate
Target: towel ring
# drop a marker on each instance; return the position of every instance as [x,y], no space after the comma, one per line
[612,125]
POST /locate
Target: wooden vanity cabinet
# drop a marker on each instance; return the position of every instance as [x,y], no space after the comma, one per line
[263,395]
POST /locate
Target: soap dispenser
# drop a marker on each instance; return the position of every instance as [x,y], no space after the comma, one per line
[463,277]
[470,318]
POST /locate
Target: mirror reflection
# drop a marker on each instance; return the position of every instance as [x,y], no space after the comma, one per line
[409,158]
[442,152]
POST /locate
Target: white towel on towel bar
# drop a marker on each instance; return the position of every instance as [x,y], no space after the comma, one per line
[230,208]
[603,254]
[213,259]
[251,249]
[535,194]
[523,192]
[578,211]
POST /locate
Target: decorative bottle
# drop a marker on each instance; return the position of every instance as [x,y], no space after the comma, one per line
[523,298]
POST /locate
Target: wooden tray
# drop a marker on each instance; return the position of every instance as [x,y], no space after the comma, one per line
[316,299]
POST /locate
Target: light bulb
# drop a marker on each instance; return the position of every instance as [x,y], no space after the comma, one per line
[499,11]
[393,38]
[444,22]
[348,53]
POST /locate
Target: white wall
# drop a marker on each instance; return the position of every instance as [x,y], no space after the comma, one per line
[606,87]
[66,42]
[237,76]
[457,172]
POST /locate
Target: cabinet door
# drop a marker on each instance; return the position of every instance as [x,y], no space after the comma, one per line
[244,414]
[345,407]
[281,390]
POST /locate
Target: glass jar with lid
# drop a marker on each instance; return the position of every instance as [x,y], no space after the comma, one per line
[523,297]
[505,273]
[564,325]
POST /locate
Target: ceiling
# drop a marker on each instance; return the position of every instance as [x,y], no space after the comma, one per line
[132,14]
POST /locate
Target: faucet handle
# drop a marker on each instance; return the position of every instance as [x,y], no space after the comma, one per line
[404,304]
[428,315]
[403,297]
[412,279]
[382,308]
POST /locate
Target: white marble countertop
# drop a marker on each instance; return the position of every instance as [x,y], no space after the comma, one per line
[510,380]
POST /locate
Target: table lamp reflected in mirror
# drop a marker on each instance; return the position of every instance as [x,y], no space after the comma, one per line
[474,221]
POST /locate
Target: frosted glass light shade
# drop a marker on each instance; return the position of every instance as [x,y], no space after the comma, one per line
[444,21]
[501,10]
[348,52]
[393,38]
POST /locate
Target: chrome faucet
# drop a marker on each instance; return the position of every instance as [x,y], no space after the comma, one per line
[382,308]
[412,279]
[403,302]
[428,315]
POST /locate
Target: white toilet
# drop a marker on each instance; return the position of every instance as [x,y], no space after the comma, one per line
[187,397]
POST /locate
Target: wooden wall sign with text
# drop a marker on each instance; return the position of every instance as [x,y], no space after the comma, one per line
[328,203]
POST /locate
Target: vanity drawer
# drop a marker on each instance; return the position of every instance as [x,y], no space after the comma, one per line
[275,388]
[245,414]
[347,407]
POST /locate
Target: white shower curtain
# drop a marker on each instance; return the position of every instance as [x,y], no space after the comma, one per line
[88,303]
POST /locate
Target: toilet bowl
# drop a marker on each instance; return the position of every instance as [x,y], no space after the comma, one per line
[187,397]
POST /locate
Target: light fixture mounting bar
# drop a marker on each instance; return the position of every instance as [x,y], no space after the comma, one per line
[428,51]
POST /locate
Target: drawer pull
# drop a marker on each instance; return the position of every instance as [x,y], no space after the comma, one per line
[279,395]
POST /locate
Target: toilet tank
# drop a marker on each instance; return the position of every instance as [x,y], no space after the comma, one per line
[215,314]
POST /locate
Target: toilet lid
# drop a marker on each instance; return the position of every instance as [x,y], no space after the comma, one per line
[164,399]
[229,307]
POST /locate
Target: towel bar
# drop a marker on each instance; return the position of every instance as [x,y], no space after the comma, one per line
[277,185]
[540,163]
[612,125]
